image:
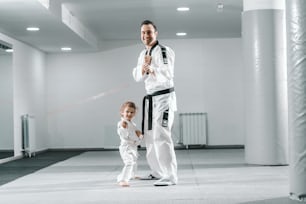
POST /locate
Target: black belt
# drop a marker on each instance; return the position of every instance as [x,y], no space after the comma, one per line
[150,98]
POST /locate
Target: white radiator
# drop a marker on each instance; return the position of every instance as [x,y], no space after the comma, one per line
[193,129]
[28,134]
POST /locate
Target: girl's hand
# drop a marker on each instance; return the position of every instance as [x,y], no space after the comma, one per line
[124,124]
[138,133]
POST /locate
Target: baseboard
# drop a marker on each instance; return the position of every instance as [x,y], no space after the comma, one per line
[225,146]
[209,147]
[180,147]
[84,149]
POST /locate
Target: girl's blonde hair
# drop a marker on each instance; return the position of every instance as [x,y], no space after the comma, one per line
[127,104]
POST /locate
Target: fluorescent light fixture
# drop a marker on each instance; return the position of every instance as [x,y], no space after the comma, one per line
[9,50]
[33,29]
[66,49]
[181,34]
[182,9]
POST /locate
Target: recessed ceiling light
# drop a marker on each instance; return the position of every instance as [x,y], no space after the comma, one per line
[66,49]
[182,9]
[9,50]
[181,34]
[33,29]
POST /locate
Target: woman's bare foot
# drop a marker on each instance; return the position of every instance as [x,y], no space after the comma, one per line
[124,184]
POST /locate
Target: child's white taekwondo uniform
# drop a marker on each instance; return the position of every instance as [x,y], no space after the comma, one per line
[159,106]
[128,149]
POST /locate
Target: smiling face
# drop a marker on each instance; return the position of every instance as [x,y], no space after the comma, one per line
[128,113]
[148,35]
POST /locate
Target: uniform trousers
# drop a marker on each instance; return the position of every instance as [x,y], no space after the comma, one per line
[129,157]
[160,148]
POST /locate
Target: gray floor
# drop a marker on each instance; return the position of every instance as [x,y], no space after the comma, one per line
[205,176]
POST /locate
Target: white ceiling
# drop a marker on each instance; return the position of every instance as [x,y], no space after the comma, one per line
[93,25]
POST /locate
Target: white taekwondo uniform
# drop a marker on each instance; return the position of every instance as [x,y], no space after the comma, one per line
[160,149]
[128,149]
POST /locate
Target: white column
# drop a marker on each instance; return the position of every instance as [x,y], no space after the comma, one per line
[263,29]
[296,49]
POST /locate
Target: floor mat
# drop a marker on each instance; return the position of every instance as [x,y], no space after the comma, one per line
[12,170]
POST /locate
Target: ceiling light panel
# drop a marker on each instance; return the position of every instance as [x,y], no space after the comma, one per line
[182,9]
[66,49]
[181,34]
[33,29]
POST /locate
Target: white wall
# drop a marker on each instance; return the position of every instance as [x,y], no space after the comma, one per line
[29,88]
[209,78]
[85,91]
[29,91]
[79,105]
[6,103]
[76,118]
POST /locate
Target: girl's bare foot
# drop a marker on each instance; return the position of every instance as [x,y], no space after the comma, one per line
[124,184]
